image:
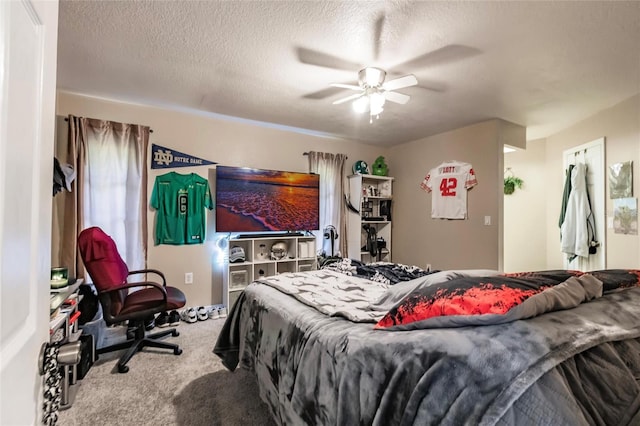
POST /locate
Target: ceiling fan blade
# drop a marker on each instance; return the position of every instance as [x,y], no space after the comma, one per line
[313,57]
[348,98]
[399,98]
[377,35]
[346,86]
[433,86]
[442,56]
[324,93]
[400,82]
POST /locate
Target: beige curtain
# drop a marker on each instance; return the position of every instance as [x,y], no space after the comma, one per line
[110,189]
[330,167]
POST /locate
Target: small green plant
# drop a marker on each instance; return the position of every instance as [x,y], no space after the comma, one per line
[511,183]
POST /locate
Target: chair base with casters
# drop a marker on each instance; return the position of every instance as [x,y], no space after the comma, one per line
[139,341]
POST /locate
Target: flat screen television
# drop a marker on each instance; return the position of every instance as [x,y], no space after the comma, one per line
[256,200]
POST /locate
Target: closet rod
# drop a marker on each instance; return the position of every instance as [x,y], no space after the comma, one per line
[67,119]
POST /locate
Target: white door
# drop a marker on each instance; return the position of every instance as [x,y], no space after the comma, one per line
[591,154]
[28,51]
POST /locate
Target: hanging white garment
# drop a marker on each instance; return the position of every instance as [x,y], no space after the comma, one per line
[574,232]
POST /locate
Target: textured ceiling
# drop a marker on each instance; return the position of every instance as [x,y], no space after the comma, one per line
[543,65]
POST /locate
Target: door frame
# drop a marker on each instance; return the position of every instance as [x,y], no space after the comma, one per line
[28,54]
[598,201]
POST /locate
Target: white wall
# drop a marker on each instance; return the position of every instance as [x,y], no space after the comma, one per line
[225,142]
[525,220]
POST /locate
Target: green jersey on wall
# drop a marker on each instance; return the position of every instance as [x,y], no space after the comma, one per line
[180,202]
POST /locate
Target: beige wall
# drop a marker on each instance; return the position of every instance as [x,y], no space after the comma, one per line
[525,221]
[528,235]
[451,244]
[231,143]
[620,125]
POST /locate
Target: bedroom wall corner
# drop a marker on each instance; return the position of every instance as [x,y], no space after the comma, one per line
[449,244]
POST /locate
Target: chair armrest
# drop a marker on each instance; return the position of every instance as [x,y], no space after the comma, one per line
[105,298]
[161,288]
[153,271]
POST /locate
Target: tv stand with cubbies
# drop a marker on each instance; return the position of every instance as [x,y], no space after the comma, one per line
[300,256]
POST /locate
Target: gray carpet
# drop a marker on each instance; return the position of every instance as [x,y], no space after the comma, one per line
[164,389]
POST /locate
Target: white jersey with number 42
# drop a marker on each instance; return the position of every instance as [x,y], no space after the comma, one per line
[449,183]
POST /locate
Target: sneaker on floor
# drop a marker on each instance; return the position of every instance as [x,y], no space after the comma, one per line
[223,312]
[189,315]
[174,318]
[203,314]
[214,313]
[162,320]
[149,323]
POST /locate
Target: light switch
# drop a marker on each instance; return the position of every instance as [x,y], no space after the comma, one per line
[487,220]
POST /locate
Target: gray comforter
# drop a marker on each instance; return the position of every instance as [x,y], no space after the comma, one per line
[578,366]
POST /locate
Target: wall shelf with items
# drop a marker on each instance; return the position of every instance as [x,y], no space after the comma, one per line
[264,256]
[369,231]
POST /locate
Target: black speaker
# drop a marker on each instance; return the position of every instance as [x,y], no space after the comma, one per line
[385,209]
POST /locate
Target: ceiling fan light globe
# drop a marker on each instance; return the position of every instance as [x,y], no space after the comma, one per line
[361,104]
[376,102]
[376,111]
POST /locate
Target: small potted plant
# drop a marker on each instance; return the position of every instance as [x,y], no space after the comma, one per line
[512,182]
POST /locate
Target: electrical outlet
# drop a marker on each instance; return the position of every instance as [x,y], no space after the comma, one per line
[487,220]
[188,278]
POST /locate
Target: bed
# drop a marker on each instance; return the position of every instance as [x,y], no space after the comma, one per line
[339,347]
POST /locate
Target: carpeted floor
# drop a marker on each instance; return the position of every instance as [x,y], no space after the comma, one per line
[164,389]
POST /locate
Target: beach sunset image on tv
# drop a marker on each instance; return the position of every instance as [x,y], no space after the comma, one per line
[255,200]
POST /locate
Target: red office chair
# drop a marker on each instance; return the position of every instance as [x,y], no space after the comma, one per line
[109,273]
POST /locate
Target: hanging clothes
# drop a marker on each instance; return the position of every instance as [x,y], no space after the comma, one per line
[565,195]
[63,175]
[577,228]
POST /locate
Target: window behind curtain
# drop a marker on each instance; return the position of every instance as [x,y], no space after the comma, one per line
[113,188]
[330,167]
[110,190]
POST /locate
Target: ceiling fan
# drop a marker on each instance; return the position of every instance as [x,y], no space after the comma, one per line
[373,91]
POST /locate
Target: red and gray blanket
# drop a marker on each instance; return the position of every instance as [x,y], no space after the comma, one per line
[334,371]
[502,298]
[458,300]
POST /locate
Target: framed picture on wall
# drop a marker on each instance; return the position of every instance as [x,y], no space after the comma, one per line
[621,180]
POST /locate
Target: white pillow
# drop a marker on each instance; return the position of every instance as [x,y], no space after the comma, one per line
[397,292]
